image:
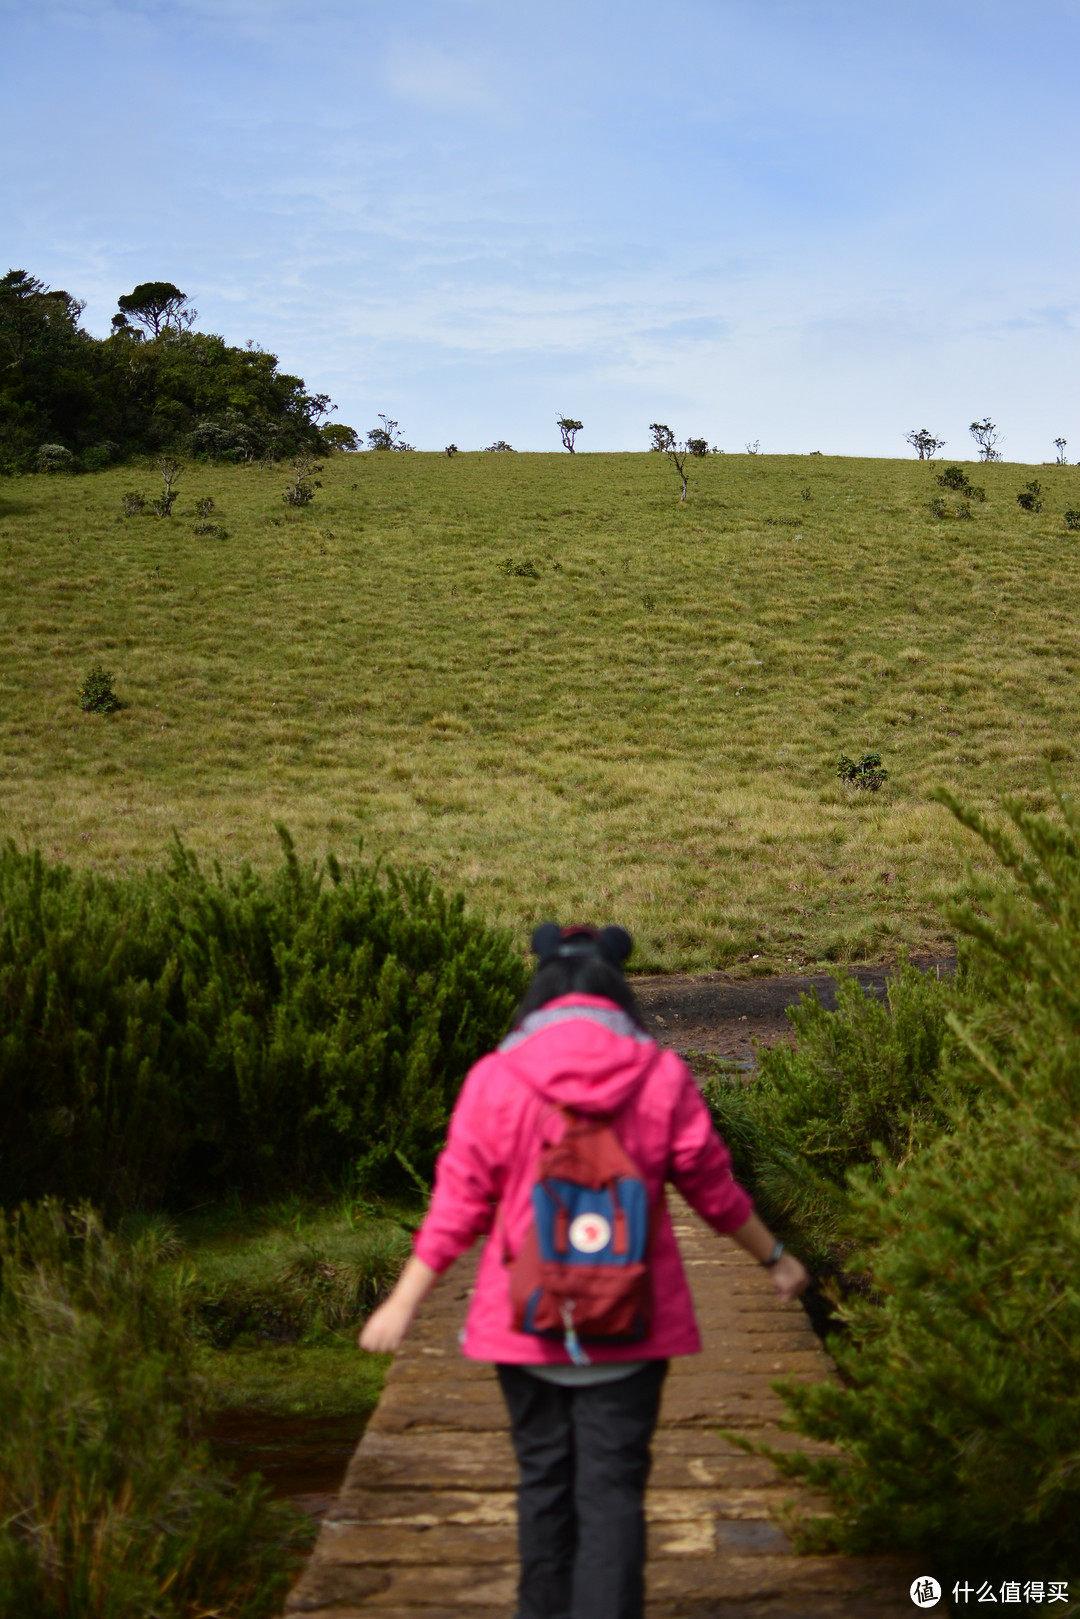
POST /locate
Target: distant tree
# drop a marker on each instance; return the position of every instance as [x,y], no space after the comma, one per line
[170,470]
[1059,445]
[986,435]
[922,440]
[340,437]
[451,450]
[386,437]
[569,430]
[755,448]
[301,492]
[698,446]
[662,436]
[499,444]
[156,306]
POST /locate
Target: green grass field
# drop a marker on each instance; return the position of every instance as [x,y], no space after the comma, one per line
[646,732]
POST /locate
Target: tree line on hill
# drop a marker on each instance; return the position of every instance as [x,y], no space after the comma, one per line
[68,399]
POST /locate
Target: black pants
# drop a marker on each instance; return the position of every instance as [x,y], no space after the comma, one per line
[583,1457]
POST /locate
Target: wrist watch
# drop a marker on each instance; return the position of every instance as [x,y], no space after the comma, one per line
[774,1257]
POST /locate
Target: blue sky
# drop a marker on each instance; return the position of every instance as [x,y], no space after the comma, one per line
[812,224]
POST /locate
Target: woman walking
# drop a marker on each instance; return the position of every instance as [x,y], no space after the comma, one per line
[559,1149]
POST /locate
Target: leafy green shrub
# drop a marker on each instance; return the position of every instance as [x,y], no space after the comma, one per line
[98,456]
[55,458]
[301,492]
[863,1084]
[204,507]
[524,569]
[108,1505]
[958,1415]
[96,693]
[865,773]
[956,479]
[132,504]
[216,531]
[1028,498]
[172,1035]
[1072,519]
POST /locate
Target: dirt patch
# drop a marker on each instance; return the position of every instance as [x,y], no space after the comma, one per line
[719,1013]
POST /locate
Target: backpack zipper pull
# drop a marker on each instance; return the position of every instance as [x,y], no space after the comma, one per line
[570,1337]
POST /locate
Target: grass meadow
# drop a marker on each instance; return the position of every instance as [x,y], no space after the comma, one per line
[646,731]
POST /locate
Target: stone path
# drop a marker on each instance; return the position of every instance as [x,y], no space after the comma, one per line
[424,1524]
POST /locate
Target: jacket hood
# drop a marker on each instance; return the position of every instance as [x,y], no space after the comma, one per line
[580,1051]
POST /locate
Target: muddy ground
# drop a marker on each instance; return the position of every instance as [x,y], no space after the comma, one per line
[722,1014]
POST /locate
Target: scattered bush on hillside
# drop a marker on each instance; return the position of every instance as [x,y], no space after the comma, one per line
[956,479]
[171,1036]
[1028,498]
[301,492]
[450,451]
[807,493]
[132,504]
[96,694]
[216,531]
[340,437]
[98,456]
[1072,519]
[205,506]
[108,1505]
[55,458]
[957,1416]
[499,446]
[865,773]
[524,569]
[697,446]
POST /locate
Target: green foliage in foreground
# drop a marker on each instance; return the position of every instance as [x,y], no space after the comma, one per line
[862,1084]
[108,1506]
[171,1035]
[957,1417]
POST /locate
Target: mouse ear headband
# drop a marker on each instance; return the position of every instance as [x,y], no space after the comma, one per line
[552,943]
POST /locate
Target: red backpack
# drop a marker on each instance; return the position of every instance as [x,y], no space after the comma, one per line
[582,1272]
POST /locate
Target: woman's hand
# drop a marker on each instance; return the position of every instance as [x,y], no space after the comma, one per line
[790,1277]
[384,1330]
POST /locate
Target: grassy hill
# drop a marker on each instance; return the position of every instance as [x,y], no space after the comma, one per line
[646,731]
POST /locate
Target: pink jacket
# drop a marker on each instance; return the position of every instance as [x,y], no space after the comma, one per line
[585,1053]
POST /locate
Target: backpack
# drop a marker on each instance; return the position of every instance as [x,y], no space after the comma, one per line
[582,1271]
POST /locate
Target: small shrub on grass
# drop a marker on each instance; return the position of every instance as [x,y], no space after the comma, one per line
[96,694]
[865,773]
[215,531]
[55,458]
[108,1505]
[1028,498]
[1072,520]
[301,492]
[525,569]
[956,479]
[204,507]
[132,504]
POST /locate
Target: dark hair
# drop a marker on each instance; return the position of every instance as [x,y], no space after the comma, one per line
[578,975]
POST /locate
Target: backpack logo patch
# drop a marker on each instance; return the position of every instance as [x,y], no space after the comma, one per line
[589,1233]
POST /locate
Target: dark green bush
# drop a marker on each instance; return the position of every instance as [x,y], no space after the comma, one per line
[957,1420]
[865,773]
[525,569]
[1072,519]
[96,695]
[108,1504]
[172,1035]
[866,1080]
[1029,497]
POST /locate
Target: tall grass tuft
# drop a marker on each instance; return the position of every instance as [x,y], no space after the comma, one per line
[172,1035]
[108,1505]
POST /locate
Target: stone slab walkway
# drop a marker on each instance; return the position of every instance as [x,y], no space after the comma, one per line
[424,1525]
